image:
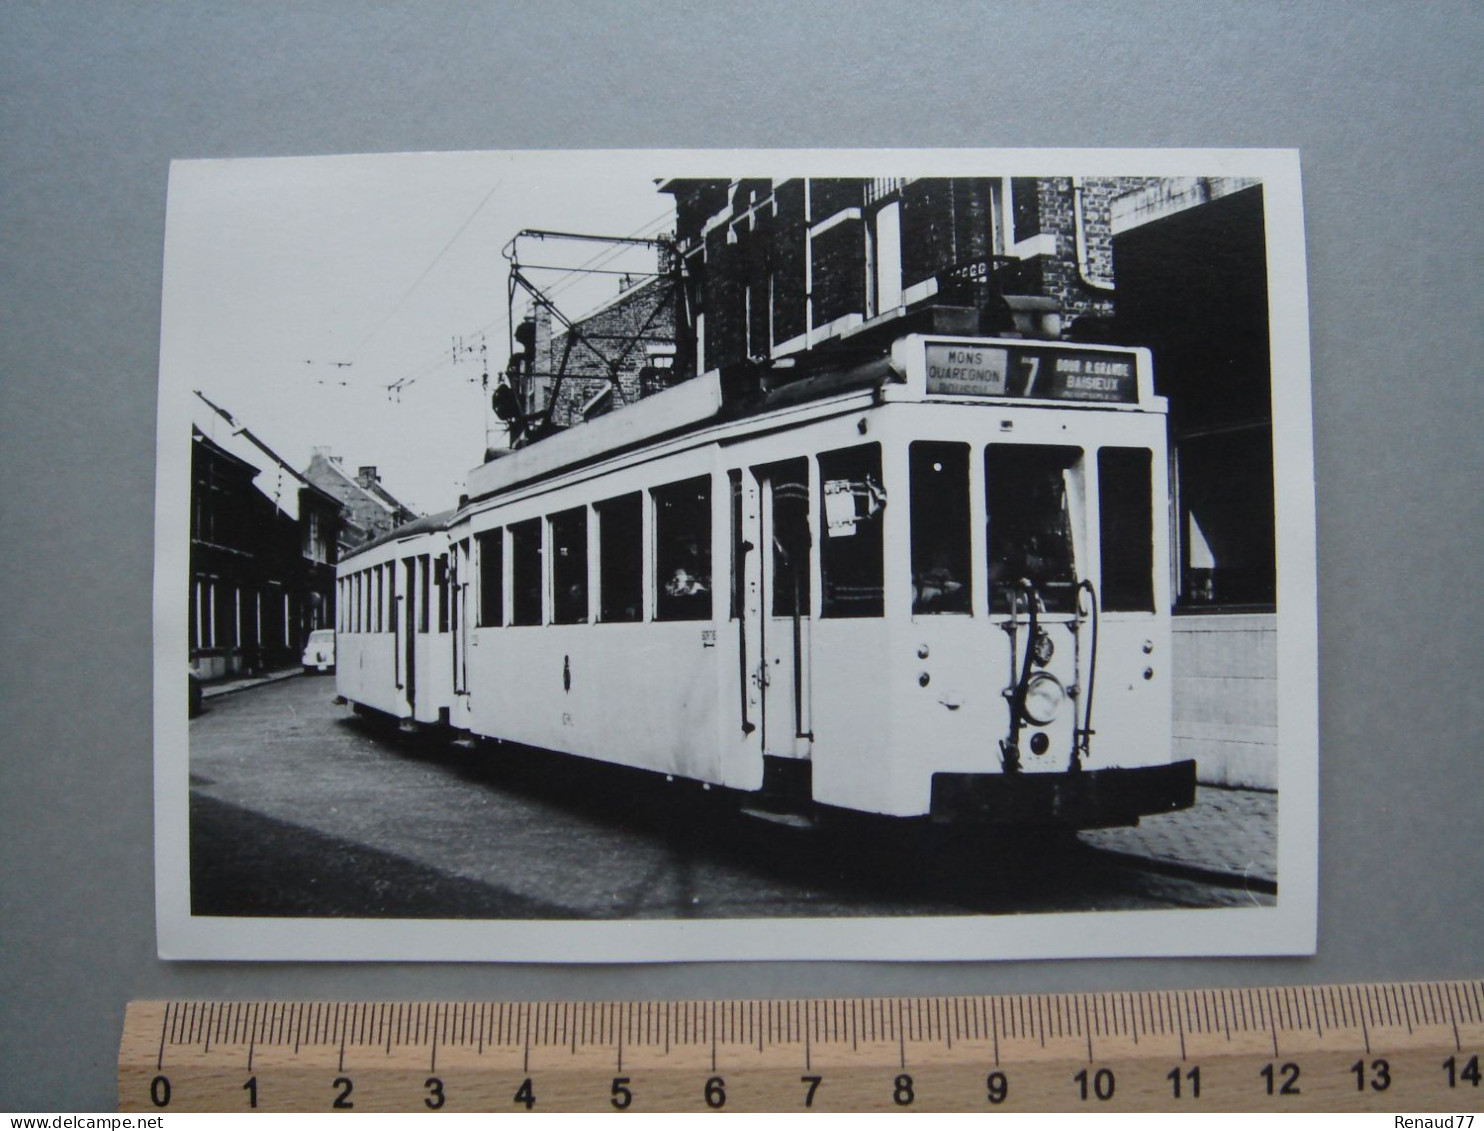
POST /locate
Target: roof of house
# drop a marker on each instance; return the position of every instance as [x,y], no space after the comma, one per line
[345,481]
[275,479]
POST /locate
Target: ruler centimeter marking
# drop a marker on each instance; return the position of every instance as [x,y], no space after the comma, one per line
[1373,1047]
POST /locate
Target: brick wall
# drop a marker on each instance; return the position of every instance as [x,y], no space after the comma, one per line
[642,317]
[1059,278]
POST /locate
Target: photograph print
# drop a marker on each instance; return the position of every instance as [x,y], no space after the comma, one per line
[693,555]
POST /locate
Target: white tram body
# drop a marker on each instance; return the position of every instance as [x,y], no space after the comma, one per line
[931,585]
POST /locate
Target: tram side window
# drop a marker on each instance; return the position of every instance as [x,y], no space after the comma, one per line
[1126,522]
[440,580]
[1030,524]
[851,558]
[739,573]
[424,591]
[682,550]
[621,559]
[940,527]
[525,572]
[569,566]
[380,597]
[491,577]
[791,540]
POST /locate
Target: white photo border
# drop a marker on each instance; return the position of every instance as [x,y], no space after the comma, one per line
[1287,928]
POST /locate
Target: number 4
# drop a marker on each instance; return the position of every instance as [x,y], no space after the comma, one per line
[1469,1073]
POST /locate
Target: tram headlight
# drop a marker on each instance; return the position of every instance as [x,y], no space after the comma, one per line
[1043,699]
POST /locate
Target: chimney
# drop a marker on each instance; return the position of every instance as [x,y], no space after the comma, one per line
[367,477]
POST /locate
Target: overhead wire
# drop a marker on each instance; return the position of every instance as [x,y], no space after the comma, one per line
[411,376]
[396,306]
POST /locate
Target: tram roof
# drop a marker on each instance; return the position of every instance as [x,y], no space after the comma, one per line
[1116,377]
[425,525]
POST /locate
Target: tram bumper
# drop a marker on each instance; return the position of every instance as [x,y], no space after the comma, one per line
[1086,799]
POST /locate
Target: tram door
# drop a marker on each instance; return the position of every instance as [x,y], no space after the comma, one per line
[784,549]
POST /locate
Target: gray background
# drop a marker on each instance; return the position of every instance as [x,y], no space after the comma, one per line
[1383,100]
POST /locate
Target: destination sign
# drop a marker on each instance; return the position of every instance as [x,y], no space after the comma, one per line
[1053,373]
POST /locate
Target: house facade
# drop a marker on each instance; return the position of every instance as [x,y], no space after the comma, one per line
[264,544]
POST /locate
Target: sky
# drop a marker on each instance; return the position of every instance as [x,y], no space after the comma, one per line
[298,291]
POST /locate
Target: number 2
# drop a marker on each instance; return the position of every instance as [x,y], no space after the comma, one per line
[1289,1085]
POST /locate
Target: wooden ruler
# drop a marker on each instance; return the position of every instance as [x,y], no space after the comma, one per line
[1409,1047]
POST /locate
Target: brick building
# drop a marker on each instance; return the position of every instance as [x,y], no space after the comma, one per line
[774,269]
[368,509]
[264,543]
[615,355]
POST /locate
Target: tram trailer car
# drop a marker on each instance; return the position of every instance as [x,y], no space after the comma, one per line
[932,585]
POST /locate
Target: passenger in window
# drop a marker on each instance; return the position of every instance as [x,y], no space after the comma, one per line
[938,590]
[691,578]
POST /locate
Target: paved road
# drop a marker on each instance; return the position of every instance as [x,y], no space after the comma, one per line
[300,808]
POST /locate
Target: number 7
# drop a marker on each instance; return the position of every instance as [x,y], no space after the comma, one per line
[1032,367]
[813,1082]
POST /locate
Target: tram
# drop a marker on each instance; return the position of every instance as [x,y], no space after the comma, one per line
[933,584]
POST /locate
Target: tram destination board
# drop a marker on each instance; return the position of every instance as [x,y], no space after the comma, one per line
[1032,372]
[1407,1047]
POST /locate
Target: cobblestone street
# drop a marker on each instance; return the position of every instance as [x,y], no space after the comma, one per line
[298,808]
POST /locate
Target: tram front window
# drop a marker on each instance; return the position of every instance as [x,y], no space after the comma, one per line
[940,527]
[1030,524]
[682,550]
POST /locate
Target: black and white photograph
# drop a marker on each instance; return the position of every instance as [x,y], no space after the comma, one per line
[660,555]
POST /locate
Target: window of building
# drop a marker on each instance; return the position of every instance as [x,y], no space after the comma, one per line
[525,572]
[851,560]
[569,566]
[941,562]
[1030,524]
[1125,522]
[884,260]
[792,543]
[1025,208]
[491,577]
[197,636]
[682,550]
[621,559]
